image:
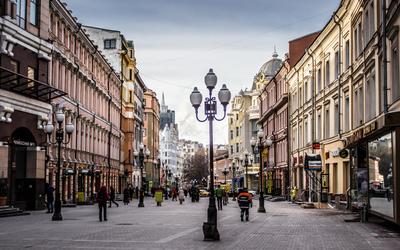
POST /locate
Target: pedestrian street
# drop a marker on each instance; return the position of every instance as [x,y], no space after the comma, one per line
[174,226]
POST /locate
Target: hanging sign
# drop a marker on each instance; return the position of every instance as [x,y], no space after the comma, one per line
[313,162]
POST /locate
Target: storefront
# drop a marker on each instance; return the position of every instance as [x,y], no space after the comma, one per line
[375,174]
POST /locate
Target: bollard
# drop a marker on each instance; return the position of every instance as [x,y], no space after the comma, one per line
[364,214]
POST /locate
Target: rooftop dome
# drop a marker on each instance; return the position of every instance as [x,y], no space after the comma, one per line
[271,67]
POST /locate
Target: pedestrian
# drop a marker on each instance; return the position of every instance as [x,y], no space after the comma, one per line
[181,196]
[131,192]
[112,197]
[126,196]
[137,192]
[185,191]
[219,194]
[174,194]
[102,198]
[49,198]
[244,200]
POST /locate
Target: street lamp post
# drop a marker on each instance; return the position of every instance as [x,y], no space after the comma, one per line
[166,182]
[158,171]
[234,180]
[210,230]
[246,165]
[225,173]
[260,147]
[69,129]
[140,156]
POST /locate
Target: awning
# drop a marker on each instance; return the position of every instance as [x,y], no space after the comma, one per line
[20,84]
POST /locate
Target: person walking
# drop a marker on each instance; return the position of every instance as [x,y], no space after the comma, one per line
[244,200]
[137,192]
[126,196]
[50,198]
[218,194]
[181,196]
[112,197]
[102,198]
[131,191]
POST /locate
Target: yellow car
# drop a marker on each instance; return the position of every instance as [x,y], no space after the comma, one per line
[204,193]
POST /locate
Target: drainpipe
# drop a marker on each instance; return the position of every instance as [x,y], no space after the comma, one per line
[288,179]
[337,22]
[313,98]
[109,132]
[384,58]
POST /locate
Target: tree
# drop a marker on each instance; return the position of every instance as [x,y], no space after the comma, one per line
[196,168]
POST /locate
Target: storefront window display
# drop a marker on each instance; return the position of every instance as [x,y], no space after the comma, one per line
[380,157]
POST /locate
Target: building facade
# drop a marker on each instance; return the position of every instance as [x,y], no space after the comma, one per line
[151,138]
[167,116]
[93,104]
[120,53]
[239,134]
[274,118]
[344,99]
[26,96]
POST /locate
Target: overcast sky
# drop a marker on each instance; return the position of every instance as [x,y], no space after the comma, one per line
[177,41]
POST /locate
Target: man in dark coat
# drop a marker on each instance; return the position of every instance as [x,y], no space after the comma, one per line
[102,198]
[49,198]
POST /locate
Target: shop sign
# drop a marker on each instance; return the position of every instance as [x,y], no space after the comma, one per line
[370,128]
[313,162]
[357,135]
[24,143]
[344,153]
[335,153]
[316,145]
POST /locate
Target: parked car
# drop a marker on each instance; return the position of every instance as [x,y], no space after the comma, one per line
[204,193]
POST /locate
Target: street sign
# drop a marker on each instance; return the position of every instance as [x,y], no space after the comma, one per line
[313,162]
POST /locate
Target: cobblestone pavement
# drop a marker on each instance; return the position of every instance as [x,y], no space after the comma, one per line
[284,226]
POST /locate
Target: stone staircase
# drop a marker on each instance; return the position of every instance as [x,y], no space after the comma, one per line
[7,211]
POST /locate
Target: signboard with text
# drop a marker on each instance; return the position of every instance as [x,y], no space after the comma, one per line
[313,162]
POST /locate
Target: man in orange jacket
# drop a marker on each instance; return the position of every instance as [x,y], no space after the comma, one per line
[244,200]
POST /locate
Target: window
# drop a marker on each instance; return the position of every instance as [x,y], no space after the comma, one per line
[336,114]
[301,139]
[31,75]
[327,124]
[110,43]
[381,174]
[346,113]
[21,13]
[395,69]
[319,126]
[130,74]
[359,40]
[237,117]
[370,101]
[231,149]
[130,96]
[337,65]
[371,19]
[14,67]
[366,26]
[231,134]
[231,120]
[327,73]
[33,12]
[347,54]
[355,39]
[319,80]
[237,147]
[358,107]
[237,131]
[306,91]
[306,132]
